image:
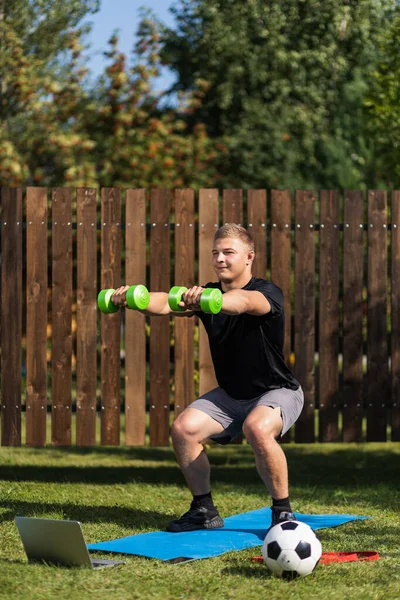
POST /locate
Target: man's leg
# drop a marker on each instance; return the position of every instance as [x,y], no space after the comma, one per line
[261,428]
[188,431]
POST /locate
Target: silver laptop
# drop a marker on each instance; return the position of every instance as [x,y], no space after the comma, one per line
[57,542]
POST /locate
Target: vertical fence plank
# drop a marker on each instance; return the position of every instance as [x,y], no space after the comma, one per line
[352,316]
[11,316]
[305,310]
[329,317]
[159,326]
[110,324]
[36,318]
[232,207]
[86,335]
[377,352]
[257,227]
[184,275]
[208,225]
[395,314]
[61,316]
[135,334]
[281,262]
[281,255]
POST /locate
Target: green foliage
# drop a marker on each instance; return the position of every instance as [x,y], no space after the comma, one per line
[43,25]
[42,97]
[383,103]
[57,131]
[136,142]
[293,94]
[286,83]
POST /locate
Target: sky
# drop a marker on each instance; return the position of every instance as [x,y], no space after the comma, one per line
[124,16]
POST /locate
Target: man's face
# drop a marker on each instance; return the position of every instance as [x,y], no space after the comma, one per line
[229,258]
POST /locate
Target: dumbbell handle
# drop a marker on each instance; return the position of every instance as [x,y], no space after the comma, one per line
[210,299]
[137,298]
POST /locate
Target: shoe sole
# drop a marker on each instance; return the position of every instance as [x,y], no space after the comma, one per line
[215,523]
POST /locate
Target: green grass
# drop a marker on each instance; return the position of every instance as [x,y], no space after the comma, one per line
[116,492]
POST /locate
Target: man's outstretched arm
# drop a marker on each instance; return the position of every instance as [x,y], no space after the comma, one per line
[236,302]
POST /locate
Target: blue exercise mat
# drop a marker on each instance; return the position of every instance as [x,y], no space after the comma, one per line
[246,530]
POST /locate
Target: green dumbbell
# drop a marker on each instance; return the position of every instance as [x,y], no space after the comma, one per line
[210,299]
[137,298]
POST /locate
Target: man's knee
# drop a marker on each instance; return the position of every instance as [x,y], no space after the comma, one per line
[258,433]
[186,426]
[262,427]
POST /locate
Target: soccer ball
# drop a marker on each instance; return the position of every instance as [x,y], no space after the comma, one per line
[291,549]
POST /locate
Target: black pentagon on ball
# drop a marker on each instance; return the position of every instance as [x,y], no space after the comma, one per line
[273,550]
[289,525]
[303,549]
[290,574]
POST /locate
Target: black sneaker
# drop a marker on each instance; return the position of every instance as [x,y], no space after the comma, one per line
[279,516]
[197,518]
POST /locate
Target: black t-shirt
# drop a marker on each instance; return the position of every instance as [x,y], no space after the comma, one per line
[247,350]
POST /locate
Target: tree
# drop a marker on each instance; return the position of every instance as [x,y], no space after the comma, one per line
[383,105]
[41,80]
[56,130]
[286,82]
[137,142]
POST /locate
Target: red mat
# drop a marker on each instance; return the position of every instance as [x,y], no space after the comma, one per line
[331,557]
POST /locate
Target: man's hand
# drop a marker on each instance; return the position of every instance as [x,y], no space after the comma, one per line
[191,298]
[119,296]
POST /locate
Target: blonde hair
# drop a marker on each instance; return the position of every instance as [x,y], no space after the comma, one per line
[232,230]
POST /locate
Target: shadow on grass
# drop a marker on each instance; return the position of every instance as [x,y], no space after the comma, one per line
[336,468]
[130,518]
[257,571]
[233,454]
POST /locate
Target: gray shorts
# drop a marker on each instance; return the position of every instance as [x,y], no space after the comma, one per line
[231,413]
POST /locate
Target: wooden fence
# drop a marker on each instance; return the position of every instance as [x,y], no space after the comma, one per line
[335,256]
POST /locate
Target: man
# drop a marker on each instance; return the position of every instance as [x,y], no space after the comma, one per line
[257,394]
